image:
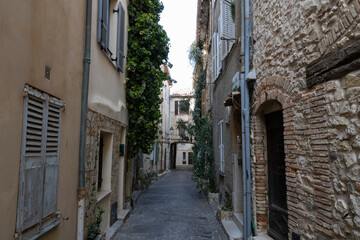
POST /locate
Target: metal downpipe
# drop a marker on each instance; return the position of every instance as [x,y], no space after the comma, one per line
[245,122]
[84,102]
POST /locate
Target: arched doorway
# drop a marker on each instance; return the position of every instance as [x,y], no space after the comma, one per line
[278,214]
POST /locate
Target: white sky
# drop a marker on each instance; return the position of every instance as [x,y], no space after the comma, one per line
[179,21]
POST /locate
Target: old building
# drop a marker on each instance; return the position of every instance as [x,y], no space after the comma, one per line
[107,117]
[41,80]
[181,105]
[305,120]
[219,31]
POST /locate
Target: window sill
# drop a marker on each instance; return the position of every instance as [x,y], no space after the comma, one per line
[45,230]
[102,194]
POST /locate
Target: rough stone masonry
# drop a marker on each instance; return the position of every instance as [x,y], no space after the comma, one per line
[321,120]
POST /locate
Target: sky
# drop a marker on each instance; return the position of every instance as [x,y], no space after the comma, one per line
[179,21]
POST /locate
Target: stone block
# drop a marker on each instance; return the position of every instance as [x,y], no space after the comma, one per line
[352,79]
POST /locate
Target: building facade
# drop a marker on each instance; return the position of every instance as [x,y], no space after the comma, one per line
[181,106]
[41,80]
[306,119]
[106,171]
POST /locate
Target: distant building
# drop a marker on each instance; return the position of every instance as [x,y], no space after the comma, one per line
[182,104]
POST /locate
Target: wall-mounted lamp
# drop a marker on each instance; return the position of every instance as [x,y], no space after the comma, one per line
[171,130]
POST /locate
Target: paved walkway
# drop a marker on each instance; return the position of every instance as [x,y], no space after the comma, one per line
[171,209]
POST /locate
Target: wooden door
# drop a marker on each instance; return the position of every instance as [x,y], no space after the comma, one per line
[278,215]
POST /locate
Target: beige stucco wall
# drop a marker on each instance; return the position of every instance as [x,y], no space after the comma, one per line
[35,34]
[106,86]
[180,149]
[175,119]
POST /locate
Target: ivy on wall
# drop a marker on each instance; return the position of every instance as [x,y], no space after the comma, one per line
[148,47]
[200,131]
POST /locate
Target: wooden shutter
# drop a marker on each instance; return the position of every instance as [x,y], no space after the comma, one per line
[120,55]
[32,165]
[214,62]
[218,60]
[52,159]
[103,24]
[39,160]
[176,107]
[227,27]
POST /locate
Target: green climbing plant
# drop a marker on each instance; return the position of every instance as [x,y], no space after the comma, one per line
[148,47]
[200,131]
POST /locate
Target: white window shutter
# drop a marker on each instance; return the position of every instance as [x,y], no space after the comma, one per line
[214,58]
[228,26]
[218,51]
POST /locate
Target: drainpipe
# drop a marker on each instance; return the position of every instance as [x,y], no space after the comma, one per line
[84,102]
[245,122]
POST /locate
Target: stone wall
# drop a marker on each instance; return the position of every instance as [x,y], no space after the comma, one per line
[95,123]
[321,124]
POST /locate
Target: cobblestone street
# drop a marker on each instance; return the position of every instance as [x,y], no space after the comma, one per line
[172,208]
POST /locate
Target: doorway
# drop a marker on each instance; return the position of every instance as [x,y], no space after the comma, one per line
[278,214]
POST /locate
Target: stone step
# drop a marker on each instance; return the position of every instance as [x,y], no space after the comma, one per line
[239,220]
[122,214]
[232,230]
[262,237]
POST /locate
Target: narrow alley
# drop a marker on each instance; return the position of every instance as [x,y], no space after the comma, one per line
[172,208]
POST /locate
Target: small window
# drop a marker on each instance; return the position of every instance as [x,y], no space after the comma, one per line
[104,162]
[39,167]
[184,155]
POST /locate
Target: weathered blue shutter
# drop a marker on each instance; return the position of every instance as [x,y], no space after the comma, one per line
[52,159]
[103,23]
[32,166]
[120,55]
[39,161]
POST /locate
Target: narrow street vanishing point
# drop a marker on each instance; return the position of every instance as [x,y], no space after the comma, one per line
[172,208]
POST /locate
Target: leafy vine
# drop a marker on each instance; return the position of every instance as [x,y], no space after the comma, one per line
[148,47]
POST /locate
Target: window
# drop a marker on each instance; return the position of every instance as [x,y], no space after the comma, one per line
[105,11]
[182,107]
[39,164]
[104,163]
[221,147]
[225,29]
[184,155]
